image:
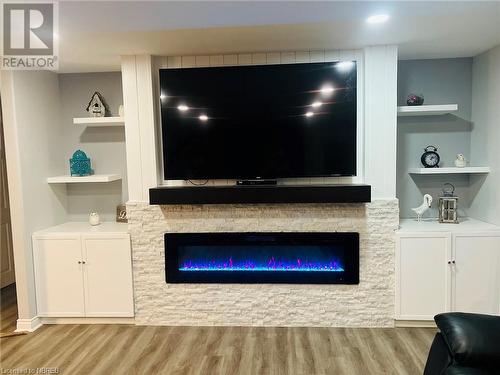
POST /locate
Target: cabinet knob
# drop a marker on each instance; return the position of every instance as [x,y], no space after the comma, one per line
[449,262]
[79,262]
[453,261]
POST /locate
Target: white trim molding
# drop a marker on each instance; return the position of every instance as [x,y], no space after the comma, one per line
[23,263]
[28,325]
[99,320]
[31,325]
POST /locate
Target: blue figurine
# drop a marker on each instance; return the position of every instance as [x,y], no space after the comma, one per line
[79,164]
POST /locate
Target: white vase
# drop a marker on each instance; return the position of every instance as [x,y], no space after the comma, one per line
[94,218]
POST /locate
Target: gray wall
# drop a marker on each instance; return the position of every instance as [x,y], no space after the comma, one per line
[485,136]
[105,146]
[441,81]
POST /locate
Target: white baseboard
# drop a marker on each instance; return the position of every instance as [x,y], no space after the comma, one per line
[87,320]
[415,323]
[28,325]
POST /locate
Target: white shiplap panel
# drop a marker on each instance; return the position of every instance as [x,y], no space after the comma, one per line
[258,58]
[348,55]
[273,58]
[216,60]
[188,61]
[291,57]
[174,62]
[245,59]
[288,57]
[380,87]
[175,183]
[230,59]
[202,61]
[146,107]
[317,56]
[302,57]
[332,55]
[359,56]
[160,62]
[132,130]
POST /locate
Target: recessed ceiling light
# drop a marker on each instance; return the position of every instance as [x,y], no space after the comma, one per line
[203,117]
[316,104]
[183,108]
[326,89]
[378,18]
[344,66]
[309,114]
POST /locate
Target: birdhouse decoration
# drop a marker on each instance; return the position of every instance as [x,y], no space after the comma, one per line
[97,106]
[448,205]
[79,164]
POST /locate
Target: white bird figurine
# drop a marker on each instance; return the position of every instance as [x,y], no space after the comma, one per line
[426,204]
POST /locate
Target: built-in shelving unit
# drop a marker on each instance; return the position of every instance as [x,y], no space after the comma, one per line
[465,170]
[427,110]
[84,179]
[99,121]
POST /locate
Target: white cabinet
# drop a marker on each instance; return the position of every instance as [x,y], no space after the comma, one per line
[422,280]
[439,271]
[58,276]
[108,276]
[83,273]
[476,273]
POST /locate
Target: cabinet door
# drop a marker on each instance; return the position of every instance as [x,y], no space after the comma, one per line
[422,275]
[108,276]
[58,276]
[476,273]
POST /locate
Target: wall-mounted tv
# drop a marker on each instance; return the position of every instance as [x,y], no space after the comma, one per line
[251,122]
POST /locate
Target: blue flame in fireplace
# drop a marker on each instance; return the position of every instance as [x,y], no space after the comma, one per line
[272,265]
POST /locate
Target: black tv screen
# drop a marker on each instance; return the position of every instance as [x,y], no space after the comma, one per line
[251,122]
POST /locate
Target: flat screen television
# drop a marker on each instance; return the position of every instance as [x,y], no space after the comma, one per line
[259,122]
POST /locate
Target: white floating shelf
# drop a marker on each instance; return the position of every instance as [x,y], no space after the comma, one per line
[99,121]
[465,170]
[427,110]
[84,179]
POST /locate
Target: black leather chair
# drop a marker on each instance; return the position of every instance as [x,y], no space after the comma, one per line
[467,344]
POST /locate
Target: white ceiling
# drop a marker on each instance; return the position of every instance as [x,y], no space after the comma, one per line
[92,35]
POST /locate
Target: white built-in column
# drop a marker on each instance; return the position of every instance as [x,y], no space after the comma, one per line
[140,130]
[381,71]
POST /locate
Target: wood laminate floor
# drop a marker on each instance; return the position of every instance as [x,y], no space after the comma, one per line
[127,349]
[8,309]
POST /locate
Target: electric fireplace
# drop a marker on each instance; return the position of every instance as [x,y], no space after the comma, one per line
[292,258]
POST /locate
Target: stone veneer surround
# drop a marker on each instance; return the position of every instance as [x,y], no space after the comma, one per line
[369,304]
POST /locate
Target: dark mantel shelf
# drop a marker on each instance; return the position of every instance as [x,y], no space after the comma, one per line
[232,194]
